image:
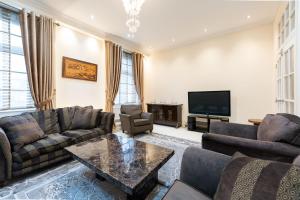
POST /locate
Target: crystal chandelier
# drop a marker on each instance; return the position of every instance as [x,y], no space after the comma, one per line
[133,8]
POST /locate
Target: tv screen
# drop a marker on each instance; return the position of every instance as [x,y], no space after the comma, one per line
[210,103]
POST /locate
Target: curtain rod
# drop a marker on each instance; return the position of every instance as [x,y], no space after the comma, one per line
[16,10]
[9,7]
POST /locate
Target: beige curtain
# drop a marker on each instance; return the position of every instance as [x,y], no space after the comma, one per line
[138,71]
[38,40]
[113,72]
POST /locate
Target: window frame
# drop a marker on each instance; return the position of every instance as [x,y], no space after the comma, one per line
[8,51]
[127,62]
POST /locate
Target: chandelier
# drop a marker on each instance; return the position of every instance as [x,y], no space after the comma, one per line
[133,8]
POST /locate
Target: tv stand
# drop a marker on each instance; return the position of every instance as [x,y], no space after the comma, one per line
[201,123]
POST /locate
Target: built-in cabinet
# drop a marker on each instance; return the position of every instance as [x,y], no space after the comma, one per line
[286,60]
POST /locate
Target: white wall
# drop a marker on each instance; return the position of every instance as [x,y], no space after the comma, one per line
[241,62]
[70,92]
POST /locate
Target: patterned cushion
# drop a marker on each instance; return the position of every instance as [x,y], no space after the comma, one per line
[83,135]
[52,143]
[141,122]
[74,117]
[95,118]
[250,178]
[65,116]
[40,165]
[47,120]
[82,118]
[21,130]
[107,121]
[39,159]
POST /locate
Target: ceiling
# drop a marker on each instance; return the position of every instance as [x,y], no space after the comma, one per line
[168,23]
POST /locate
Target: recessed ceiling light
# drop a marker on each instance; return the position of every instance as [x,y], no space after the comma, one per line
[205,30]
[248,17]
[92,17]
[173,40]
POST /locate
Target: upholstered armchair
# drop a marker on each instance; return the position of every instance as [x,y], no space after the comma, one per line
[134,120]
[228,138]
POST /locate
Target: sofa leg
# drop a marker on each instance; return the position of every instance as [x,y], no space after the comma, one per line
[151,130]
[123,131]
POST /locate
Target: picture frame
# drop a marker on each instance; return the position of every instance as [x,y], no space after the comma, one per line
[78,69]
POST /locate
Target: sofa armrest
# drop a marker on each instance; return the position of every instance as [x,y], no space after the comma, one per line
[5,157]
[233,129]
[256,148]
[149,116]
[107,121]
[202,169]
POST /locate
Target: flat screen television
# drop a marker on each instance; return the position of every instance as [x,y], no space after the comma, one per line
[210,103]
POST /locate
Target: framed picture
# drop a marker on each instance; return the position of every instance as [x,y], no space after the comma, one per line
[78,69]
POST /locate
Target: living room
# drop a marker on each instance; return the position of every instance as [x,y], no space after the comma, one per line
[149,99]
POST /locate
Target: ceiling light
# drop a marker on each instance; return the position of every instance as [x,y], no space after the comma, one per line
[92,17]
[248,17]
[205,30]
[130,35]
[133,8]
[173,40]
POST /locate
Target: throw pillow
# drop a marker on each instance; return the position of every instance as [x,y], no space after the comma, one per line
[47,120]
[95,118]
[256,179]
[66,117]
[82,118]
[277,128]
[21,130]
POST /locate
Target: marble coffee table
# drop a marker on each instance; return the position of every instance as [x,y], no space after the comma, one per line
[130,165]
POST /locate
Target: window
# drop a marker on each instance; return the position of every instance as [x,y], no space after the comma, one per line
[127,91]
[14,87]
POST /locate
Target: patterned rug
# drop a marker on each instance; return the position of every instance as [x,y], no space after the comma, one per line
[74,181]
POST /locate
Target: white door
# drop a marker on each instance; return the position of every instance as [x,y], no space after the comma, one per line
[286,61]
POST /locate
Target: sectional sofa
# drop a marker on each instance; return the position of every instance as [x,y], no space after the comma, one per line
[32,141]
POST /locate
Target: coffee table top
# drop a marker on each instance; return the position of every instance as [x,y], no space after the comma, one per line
[121,160]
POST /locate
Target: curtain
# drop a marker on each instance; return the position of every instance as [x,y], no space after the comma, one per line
[113,53]
[138,72]
[38,40]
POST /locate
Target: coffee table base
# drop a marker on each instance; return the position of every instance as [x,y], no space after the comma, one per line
[100,178]
[143,190]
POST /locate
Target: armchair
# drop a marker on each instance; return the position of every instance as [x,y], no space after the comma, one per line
[228,138]
[134,121]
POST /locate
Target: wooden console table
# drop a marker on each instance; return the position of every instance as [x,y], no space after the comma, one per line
[166,114]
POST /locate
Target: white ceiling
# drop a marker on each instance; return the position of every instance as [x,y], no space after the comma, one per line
[162,21]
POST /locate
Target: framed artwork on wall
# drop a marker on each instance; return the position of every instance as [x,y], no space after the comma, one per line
[77,69]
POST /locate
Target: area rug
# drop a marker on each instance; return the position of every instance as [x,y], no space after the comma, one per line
[74,181]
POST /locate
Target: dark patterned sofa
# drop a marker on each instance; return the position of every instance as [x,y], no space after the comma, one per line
[61,127]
